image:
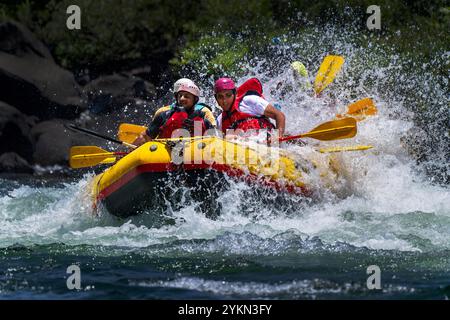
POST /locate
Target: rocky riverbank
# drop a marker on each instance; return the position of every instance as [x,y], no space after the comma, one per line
[38,97]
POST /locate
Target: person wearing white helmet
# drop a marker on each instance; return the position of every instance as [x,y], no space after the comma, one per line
[185,82]
[180,115]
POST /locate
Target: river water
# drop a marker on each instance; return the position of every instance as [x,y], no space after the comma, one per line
[385,212]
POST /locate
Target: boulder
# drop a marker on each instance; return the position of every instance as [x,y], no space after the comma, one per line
[143,72]
[417,143]
[110,93]
[11,162]
[30,79]
[52,142]
[15,131]
[18,41]
[430,151]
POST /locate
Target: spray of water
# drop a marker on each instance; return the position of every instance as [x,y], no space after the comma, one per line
[382,199]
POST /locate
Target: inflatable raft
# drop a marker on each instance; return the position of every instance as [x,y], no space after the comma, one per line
[149,176]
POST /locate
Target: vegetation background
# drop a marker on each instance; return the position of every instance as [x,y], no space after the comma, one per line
[118,35]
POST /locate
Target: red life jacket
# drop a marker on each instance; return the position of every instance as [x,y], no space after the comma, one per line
[176,120]
[235,119]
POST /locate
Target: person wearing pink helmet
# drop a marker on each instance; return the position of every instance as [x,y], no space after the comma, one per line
[245,108]
[180,115]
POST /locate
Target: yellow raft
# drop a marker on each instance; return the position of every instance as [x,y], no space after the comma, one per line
[148,176]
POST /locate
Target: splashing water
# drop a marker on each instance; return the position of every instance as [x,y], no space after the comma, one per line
[382,210]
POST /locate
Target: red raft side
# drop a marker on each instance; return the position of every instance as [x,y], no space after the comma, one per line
[147,178]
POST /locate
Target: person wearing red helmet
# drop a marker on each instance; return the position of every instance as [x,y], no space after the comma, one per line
[180,115]
[244,107]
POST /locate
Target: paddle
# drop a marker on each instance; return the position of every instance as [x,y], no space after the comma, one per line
[331,130]
[98,135]
[88,156]
[327,72]
[360,109]
[129,132]
[350,148]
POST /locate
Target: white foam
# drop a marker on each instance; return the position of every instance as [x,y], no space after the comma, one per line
[380,200]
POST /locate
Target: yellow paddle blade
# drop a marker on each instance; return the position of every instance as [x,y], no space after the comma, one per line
[338,149]
[360,109]
[109,160]
[333,130]
[84,162]
[88,156]
[129,132]
[81,150]
[327,72]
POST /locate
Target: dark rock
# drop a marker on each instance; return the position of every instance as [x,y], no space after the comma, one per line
[15,131]
[417,142]
[83,77]
[12,162]
[144,72]
[52,142]
[30,79]
[433,156]
[117,91]
[17,40]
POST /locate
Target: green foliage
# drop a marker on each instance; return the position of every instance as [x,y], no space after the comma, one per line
[395,13]
[113,31]
[213,35]
[213,55]
[233,16]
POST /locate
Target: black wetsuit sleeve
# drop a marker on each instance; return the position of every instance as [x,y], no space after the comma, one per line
[153,128]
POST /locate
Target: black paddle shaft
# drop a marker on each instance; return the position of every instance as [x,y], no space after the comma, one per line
[92,133]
